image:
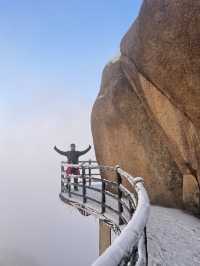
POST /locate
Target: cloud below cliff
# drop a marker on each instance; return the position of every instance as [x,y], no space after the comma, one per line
[33,220]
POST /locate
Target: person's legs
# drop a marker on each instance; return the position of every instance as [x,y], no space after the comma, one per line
[75,182]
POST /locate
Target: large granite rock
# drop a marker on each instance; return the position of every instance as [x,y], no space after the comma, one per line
[147,115]
[164,43]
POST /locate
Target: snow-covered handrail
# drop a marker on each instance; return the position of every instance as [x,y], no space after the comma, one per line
[129,248]
[133,234]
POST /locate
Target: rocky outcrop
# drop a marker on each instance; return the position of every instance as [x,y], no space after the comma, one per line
[147,114]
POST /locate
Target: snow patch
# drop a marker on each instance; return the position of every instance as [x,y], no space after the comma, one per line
[173,238]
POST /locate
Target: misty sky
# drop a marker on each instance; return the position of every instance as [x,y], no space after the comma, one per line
[52,55]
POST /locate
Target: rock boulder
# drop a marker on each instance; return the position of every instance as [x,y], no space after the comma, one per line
[146,117]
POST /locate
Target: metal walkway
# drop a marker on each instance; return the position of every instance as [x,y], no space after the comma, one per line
[93,194]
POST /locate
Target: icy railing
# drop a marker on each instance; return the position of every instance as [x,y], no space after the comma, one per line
[126,211]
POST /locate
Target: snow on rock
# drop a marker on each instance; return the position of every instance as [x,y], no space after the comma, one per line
[173,238]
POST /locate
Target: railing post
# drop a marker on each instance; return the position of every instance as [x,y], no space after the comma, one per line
[103,197]
[146,246]
[69,186]
[84,184]
[131,207]
[62,177]
[62,171]
[90,162]
[119,192]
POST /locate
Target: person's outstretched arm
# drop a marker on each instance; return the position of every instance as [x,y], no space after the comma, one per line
[59,151]
[85,151]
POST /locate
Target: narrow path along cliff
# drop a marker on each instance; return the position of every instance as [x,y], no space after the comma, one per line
[173,238]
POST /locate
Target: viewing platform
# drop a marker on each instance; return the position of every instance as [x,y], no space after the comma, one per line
[125,212]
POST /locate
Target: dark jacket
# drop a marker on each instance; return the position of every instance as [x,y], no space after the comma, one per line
[72,156]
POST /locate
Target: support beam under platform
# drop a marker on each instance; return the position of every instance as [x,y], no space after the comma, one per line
[104,236]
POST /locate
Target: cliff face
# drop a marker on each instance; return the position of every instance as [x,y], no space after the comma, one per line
[147,114]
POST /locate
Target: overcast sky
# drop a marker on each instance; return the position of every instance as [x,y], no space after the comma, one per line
[52,55]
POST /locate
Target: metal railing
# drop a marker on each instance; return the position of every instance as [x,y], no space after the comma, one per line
[91,193]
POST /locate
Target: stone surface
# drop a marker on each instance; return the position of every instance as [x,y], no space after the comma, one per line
[147,114]
[164,43]
[190,193]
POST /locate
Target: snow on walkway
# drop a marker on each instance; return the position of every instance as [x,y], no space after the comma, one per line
[173,235]
[173,238]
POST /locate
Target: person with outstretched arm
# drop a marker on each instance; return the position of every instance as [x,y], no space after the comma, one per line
[73,158]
